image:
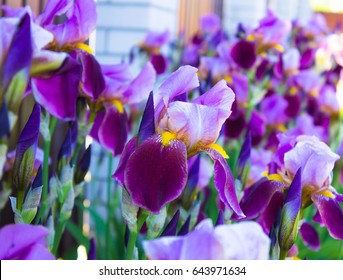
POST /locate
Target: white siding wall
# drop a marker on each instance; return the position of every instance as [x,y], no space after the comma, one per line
[123,23]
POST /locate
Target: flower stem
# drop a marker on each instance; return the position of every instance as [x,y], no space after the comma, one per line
[109,184]
[133,236]
[58,235]
[47,145]
[283,254]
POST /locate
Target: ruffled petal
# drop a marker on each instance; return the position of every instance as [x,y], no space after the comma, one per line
[156,174]
[182,80]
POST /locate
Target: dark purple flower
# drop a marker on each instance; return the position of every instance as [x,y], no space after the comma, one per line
[155,172]
[24,242]
[110,125]
[244,54]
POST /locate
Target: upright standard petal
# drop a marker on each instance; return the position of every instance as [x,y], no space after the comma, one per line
[156,174]
[58,93]
[182,80]
[316,160]
[224,182]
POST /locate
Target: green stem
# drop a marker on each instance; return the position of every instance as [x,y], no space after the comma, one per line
[109,183]
[58,235]
[47,145]
[133,236]
[283,254]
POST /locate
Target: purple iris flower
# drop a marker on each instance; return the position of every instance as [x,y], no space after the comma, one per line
[259,164]
[79,21]
[309,81]
[24,242]
[121,88]
[271,32]
[317,161]
[242,241]
[155,171]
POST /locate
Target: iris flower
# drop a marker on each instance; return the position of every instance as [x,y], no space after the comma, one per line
[153,166]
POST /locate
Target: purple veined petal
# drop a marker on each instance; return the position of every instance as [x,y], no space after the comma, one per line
[257,197]
[224,182]
[96,125]
[140,87]
[198,125]
[219,96]
[310,236]
[156,174]
[58,94]
[112,132]
[93,82]
[129,148]
[159,62]
[80,23]
[45,61]
[17,239]
[166,248]
[244,54]
[270,214]
[171,228]
[147,126]
[331,214]
[52,9]
[316,218]
[182,80]
[20,51]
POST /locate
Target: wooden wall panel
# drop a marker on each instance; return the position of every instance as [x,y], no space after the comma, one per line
[190,12]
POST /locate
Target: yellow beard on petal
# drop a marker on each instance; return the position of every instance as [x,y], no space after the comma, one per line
[166,137]
[118,105]
[84,47]
[219,149]
[327,193]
